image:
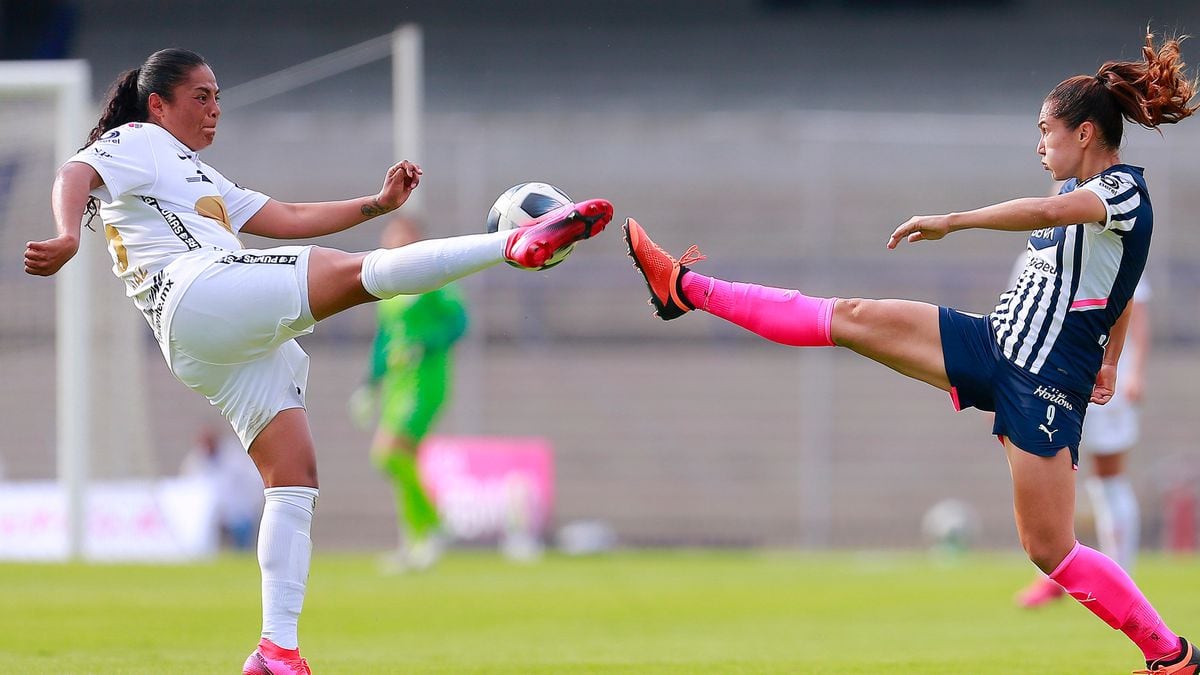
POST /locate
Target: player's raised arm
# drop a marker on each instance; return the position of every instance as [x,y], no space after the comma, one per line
[68,200]
[284,220]
[1016,215]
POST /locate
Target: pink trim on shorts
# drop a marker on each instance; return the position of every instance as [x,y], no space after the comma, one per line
[954,399]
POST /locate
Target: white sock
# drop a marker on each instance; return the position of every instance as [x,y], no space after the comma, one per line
[284,551]
[426,265]
[1118,524]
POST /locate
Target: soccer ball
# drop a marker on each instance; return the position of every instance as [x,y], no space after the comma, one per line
[951,525]
[523,203]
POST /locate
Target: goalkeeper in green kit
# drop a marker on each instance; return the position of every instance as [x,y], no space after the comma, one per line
[409,381]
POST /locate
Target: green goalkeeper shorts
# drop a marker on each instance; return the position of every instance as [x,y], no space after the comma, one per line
[412,399]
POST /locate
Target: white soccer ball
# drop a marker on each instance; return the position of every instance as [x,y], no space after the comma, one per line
[950,525]
[523,203]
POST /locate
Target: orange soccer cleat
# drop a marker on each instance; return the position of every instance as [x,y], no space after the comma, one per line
[271,659]
[1187,663]
[661,272]
[533,244]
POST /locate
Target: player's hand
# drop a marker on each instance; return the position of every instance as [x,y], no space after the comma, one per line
[920,228]
[44,258]
[362,406]
[398,184]
[1106,384]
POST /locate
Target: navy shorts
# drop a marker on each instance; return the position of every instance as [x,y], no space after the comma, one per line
[1038,416]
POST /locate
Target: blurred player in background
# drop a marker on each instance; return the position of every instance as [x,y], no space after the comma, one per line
[220,459]
[1051,344]
[226,317]
[1110,431]
[409,381]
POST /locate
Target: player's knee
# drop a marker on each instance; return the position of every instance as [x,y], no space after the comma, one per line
[851,318]
[1047,552]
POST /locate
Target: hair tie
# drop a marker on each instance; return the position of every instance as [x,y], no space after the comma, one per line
[1101,79]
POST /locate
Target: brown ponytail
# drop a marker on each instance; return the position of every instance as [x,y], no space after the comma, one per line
[1149,93]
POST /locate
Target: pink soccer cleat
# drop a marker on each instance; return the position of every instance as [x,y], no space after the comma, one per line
[271,659]
[532,245]
[1041,592]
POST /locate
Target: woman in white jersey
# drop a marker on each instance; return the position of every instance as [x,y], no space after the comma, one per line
[1050,345]
[225,316]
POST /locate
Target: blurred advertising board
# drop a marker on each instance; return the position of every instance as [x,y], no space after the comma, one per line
[168,520]
[487,487]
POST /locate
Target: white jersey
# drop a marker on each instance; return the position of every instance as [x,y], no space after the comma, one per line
[159,202]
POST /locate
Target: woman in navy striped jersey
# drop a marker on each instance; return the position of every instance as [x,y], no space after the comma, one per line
[1050,345]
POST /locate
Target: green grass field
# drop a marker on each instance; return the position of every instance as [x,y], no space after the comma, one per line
[634,612]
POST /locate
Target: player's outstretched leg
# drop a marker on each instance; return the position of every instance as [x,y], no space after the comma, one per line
[271,659]
[532,245]
[780,315]
[429,264]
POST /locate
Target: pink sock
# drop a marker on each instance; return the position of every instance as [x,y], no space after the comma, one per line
[783,316]
[1103,587]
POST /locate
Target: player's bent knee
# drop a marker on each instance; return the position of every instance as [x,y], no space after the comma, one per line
[1046,554]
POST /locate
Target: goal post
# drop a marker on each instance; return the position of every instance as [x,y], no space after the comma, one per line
[408,90]
[68,84]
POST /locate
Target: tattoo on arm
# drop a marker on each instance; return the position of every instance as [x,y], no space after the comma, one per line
[373,208]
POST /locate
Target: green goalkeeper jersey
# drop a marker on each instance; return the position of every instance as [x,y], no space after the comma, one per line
[410,359]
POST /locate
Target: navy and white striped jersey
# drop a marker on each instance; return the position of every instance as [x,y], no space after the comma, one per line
[1077,280]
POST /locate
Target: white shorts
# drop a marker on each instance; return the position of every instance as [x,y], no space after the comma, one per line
[1110,428]
[231,335]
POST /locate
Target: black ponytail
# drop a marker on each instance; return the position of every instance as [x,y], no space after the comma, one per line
[121,105]
[127,97]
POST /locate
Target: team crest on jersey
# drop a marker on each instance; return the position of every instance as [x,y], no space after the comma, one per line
[1110,183]
[214,207]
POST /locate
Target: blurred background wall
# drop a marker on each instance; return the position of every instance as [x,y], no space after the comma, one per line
[786,138]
